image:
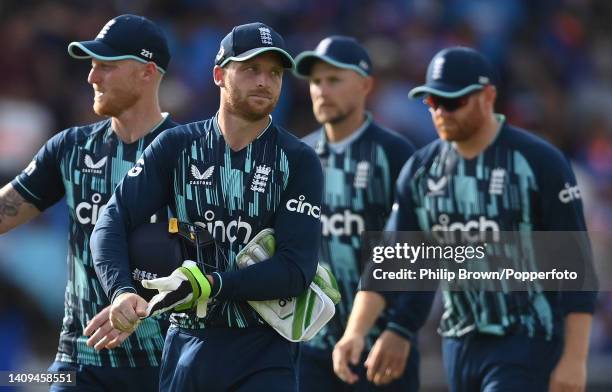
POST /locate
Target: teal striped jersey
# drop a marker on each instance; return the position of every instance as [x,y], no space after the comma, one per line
[273,182]
[358,193]
[517,184]
[85,164]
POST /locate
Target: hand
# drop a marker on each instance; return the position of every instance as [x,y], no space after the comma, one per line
[185,289]
[387,359]
[568,376]
[104,335]
[348,349]
[126,311]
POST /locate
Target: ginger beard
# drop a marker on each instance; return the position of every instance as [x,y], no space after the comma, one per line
[113,96]
[252,105]
[462,124]
[114,102]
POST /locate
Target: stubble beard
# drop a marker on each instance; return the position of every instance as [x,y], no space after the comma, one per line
[238,104]
[462,131]
[336,118]
[116,105]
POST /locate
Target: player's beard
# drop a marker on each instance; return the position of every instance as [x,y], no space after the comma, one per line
[116,101]
[238,102]
[452,131]
[459,129]
[335,117]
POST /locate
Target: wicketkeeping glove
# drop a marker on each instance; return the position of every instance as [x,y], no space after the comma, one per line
[297,318]
[185,289]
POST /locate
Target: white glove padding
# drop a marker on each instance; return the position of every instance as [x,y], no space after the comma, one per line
[297,318]
[186,288]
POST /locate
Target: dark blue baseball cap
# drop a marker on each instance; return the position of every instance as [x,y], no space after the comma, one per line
[337,50]
[126,37]
[249,40]
[454,72]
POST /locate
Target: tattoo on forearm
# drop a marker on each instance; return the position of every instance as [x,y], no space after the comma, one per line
[10,202]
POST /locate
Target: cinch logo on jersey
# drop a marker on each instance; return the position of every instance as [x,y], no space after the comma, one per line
[201,178]
[87,213]
[90,166]
[569,193]
[303,207]
[260,179]
[346,223]
[222,231]
[436,188]
[472,230]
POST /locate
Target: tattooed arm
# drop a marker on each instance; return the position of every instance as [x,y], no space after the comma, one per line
[14,210]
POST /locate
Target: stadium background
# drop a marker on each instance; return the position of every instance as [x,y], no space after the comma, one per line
[554,57]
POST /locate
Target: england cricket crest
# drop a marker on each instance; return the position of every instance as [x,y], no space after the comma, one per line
[260,179]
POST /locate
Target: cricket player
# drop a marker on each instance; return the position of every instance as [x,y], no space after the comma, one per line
[485,174]
[84,163]
[361,162]
[234,174]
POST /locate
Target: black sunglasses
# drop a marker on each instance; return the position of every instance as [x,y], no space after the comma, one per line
[448,104]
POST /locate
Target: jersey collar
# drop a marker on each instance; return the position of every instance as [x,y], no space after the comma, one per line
[323,144]
[217,128]
[110,131]
[502,122]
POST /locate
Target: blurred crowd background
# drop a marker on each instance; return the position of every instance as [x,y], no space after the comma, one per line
[554,59]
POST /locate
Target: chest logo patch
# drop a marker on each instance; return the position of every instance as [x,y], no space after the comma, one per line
[90,165]
[260,179]
[436,188]
[201,178]
[496,186]
[362,173]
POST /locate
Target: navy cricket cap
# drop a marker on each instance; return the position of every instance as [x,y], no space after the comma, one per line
[126,37]
[454,72]
[339,51]
[249,40]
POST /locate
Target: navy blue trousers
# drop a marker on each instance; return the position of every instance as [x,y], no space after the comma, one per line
[488,363]
[102,379]
[228,359]
[317,374]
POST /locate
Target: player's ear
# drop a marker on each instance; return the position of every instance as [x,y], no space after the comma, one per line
[149,70]
[490,93]
[219,76]
[368,84]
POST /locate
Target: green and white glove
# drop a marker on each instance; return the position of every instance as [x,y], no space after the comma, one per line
[297,318]
[185,289]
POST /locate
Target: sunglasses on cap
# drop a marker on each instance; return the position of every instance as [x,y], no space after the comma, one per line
[448,104]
